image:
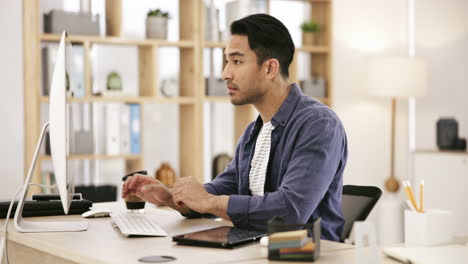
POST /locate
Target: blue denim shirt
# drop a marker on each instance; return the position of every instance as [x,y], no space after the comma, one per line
[305,171]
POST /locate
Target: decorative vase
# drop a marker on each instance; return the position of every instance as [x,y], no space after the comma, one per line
[156,27]
[308,38]
[166,174]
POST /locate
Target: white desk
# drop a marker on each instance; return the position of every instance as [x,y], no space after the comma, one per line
[101,243]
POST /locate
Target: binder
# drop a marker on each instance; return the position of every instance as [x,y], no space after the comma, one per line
[113,129]
[125,130]
[49,53]
[99,128]
[135,129]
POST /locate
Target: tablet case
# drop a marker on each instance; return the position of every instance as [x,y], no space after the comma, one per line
[238,237]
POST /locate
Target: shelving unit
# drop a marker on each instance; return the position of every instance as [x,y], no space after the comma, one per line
[321,57]
[192,84]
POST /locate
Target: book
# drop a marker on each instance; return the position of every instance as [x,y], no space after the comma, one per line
[135,129]
[113,129]
[306,249]
[99,128]
[76,67]
[454,254]
[288,244]
[125,130]
[49,53]
[288,236]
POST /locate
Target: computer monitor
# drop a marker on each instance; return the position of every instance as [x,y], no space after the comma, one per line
[62,80]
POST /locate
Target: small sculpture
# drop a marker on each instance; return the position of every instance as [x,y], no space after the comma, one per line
[166,174]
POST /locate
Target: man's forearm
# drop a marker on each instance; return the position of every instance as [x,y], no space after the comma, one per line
[218,205]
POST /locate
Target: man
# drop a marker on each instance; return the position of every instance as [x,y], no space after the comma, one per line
[288,163]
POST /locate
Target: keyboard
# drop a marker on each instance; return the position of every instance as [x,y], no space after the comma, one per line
[136,224]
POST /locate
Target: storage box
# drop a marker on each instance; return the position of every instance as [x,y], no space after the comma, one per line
[429,228]
[314,87]
[56,21]
[285,249]
[215,87]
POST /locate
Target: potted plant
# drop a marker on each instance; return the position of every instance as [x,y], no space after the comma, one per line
[156,24]
[113,84]
[309,30]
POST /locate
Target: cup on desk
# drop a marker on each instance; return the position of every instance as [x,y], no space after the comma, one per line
[429,228]
[134,204]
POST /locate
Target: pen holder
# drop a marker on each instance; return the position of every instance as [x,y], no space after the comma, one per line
[287,250]
[429,228]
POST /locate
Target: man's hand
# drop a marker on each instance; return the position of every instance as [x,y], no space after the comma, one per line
[188,191]
[148,189]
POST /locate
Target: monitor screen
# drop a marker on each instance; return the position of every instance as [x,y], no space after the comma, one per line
[62,81]
[62,78]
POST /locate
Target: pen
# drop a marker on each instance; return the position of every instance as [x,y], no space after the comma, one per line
[409,193]
[421,196]
[409,205]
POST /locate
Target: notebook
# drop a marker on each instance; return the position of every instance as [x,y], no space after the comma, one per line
[453,254]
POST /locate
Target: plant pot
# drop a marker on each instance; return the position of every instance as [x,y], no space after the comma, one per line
[156,27]
[309,38]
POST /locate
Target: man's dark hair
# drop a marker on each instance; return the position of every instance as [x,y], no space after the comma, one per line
[268,38]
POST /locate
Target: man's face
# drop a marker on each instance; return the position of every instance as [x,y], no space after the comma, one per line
[242,74]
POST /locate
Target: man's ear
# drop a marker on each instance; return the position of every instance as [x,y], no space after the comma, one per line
[272,68]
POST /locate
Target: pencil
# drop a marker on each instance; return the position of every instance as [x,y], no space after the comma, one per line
[421,196]
[409,193]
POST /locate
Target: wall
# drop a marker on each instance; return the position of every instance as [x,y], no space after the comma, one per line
[362,29]
[442,39]
[11,108]
[365,28]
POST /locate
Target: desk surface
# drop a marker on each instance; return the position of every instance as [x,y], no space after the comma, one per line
[101,243]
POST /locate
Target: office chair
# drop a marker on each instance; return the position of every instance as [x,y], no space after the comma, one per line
[357,203]
[219,164]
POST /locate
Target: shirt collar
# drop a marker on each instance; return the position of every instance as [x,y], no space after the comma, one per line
[281,117]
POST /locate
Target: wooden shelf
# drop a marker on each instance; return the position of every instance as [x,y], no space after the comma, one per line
[191,73]
[226,99]
[175,100]
[310,49]
[313,49]
[217,99]
[127,100]
[436,151]
[95,157]
[316,1]
[212,44]
[80,39]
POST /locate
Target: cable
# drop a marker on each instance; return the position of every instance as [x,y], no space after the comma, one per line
[4,240]
[5,230]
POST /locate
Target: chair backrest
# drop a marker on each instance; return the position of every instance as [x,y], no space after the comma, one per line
[219,164]
[357,203]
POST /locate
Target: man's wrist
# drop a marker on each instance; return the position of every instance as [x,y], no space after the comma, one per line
[208,204]
[217,205]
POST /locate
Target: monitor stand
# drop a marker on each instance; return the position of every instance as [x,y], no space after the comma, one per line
[37,227]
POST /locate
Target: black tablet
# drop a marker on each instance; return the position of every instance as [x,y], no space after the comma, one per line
[221,237]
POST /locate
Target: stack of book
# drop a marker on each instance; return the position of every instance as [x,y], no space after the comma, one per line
[291,245]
